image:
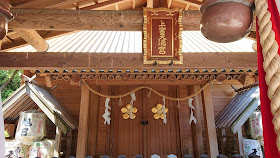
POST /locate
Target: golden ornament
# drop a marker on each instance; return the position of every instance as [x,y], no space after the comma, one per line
[127,110]
[158,111]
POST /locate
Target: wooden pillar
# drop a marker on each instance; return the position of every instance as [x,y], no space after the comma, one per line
[223,141]
[69,144]
[197,137]
[57,143]
[83,123]
[210,129]
[93,122]
[240,141]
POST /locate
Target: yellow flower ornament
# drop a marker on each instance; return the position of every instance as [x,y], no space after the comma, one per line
[158,111]
[129,112]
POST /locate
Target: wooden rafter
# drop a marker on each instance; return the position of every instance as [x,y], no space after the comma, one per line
[127,61]
[70,20]
[37,4]
[103,4]
[169,3]
[150,3]
[34,39]
[133,4]
[19,41]
[190,2]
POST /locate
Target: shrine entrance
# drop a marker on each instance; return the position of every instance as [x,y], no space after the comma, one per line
[145,135]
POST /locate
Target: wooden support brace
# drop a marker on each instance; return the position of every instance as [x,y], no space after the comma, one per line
[197,136]
[57,143]
[210,129]
[34,39]
[69,144]
[83,123]
[223,141]
[150,3]
[169,3]
[133,4]
[48,81]
[240,142]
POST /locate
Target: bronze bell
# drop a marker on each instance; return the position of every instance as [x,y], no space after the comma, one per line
[226,20]
[5,16]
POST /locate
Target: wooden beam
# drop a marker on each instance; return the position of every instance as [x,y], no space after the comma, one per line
[150,3]
[117,6]
[133,3]
[34,39]
[18,41]
[197,137]
[37,4]
[103,4]
[210,129]
[169,3]
[187,7]
[70,20]
[57,143]
[48,81]
[191,2]
[53,61]
[83,123]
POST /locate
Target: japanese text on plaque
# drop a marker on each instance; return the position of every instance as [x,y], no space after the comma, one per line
[162,38]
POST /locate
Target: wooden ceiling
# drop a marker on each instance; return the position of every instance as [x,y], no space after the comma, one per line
[15,38]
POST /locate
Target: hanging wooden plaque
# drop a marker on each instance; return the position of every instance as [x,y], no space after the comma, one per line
[162,41]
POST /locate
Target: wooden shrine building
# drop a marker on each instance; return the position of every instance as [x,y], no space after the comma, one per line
[86,47]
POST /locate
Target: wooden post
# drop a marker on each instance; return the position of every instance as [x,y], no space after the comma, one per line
[240,141]
[223,141]
[48,81]
[83,123]
[93,122]
[210,129]
[69,144]
[57,143]
[197,137]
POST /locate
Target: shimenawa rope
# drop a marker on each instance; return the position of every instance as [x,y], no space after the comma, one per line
[149,88]
[271,62]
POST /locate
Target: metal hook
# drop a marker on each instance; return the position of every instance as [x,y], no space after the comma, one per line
[171,63]
[155,63]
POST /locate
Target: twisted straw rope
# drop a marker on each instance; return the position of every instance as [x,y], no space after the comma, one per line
[149,88]
[271,62]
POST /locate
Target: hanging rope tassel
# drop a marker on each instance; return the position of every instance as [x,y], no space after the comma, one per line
[178,104]
[163,111]
[120,102]
[149,94]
